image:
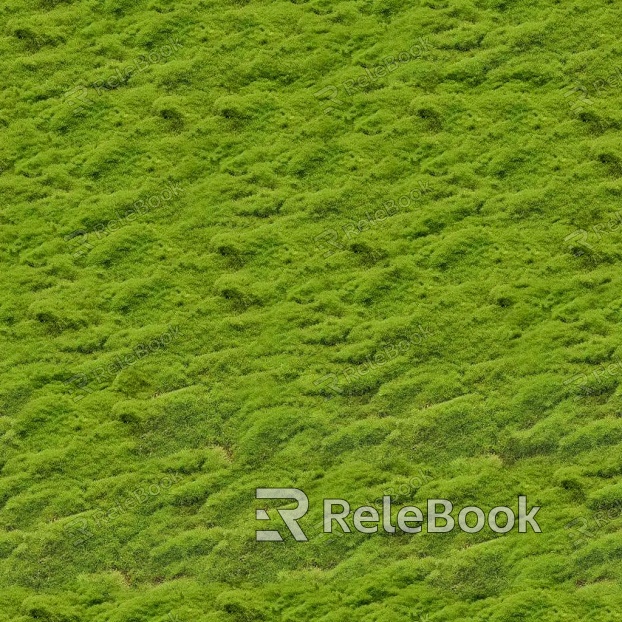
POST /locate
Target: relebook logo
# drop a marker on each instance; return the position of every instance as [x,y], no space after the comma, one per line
[410,519]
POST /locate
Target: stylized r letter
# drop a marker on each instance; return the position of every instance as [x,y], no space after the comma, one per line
[290,517]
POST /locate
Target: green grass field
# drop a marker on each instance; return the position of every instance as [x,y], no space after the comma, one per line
[359,248]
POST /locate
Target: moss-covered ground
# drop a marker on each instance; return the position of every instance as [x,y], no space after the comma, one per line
[213,213]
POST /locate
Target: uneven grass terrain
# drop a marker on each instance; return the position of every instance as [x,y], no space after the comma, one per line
[214,214]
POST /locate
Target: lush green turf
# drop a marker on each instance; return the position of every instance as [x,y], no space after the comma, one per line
[188,305]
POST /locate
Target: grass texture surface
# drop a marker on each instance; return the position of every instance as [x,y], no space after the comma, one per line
[358,248]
